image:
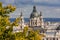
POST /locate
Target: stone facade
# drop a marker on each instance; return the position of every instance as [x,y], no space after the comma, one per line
[36,20]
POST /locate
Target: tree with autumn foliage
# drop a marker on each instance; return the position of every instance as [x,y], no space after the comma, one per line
[15,23]
[5,34]
[28,35]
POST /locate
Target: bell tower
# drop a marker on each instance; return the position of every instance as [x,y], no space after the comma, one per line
[21,21]
[41,20]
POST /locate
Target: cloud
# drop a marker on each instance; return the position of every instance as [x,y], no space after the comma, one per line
[40,0]
[54,3]
[49,8]
[9,1]
[26,10]
[48,1]
[51,12]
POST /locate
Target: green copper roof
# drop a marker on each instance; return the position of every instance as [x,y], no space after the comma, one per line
[34,13]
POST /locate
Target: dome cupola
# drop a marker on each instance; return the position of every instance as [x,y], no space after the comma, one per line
[34,13]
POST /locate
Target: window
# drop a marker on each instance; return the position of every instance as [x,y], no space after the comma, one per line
[43,39]
[46,38]
[53,38]
[57,38]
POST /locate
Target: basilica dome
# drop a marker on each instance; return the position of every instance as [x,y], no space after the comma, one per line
[34,13]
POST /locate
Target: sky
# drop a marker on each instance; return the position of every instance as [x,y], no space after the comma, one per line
[49,8]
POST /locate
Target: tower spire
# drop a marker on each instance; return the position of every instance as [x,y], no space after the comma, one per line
[21,20]
[21,14]
[40,13]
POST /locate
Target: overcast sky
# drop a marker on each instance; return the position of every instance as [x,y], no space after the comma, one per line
[49,8]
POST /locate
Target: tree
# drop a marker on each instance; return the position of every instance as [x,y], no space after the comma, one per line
[5,34]
[34,35]
[6,10]
[15,23]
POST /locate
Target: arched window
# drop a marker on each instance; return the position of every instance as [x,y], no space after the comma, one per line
[46,38]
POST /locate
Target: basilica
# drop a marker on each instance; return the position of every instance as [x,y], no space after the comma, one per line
[51,30]
[36,19]
[47,28]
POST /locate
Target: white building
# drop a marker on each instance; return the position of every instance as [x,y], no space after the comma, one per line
[49,30]
[36,20]
[21,25]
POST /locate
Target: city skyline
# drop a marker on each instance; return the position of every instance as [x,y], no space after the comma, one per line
[49,8]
